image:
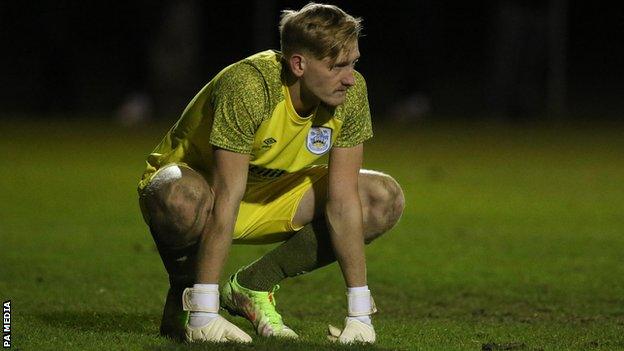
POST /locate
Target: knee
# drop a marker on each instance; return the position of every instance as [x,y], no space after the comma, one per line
[384,206]
[178,201]
[388,202]
[183,200]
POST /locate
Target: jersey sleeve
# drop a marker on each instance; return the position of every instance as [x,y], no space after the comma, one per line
[240,101]
[357,125]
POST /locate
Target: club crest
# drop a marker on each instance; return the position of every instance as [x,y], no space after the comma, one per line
[319,140]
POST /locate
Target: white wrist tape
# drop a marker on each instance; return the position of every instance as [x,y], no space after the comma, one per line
[200,300]
[360,302]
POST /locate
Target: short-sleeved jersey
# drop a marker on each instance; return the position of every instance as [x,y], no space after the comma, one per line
[246,108]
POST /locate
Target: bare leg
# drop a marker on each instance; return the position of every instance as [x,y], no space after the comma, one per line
[176,205]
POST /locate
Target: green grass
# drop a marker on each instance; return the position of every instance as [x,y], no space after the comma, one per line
[512,238]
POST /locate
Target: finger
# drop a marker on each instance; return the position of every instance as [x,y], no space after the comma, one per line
[334,331]
[237,335]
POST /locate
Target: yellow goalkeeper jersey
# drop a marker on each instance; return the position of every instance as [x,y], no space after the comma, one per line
[246,108]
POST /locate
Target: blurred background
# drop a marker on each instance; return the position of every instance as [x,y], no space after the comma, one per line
[135,61]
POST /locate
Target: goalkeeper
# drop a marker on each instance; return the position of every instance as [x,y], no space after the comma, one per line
[236,168]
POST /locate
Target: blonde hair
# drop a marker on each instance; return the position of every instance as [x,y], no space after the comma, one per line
[318,29]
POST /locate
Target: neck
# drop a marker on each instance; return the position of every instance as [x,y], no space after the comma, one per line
[303,101]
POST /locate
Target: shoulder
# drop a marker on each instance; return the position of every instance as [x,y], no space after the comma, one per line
[265,65]
[359,78]
[357,96]
[360,83]
[259,73]
[359,89]
[268,63]
[239,74]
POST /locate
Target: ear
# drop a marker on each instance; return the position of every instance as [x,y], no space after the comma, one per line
[297,64]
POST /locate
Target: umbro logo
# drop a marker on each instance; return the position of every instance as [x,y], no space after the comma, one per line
[268,142]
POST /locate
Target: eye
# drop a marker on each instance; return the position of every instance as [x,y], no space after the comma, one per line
[342,65]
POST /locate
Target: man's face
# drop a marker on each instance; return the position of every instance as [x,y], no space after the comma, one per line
[327,82]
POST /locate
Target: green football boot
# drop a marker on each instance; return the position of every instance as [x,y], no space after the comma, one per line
[258,307]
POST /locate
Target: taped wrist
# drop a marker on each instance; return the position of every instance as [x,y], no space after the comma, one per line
[360,302]
[201,299]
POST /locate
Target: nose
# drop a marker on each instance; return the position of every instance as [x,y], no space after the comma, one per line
[349,79]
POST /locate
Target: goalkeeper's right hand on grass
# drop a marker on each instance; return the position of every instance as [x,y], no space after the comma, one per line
[354,331]
[218,329]
[358,325]
[212,327]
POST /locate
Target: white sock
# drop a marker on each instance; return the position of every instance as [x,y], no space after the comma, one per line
[208,300]
[359,300]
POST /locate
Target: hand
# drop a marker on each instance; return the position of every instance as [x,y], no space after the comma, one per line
[354,331]
[217,330]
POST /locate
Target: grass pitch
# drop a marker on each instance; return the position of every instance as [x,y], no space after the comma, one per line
[511,239]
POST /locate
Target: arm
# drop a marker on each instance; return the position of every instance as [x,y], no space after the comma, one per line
[344,213]
[229,182]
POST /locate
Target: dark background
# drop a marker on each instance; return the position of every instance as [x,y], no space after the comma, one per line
[511,60]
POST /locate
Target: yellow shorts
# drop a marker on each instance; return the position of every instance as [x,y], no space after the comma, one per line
[268,207]
[266,212]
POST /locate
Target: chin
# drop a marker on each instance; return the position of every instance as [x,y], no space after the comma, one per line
[334,101]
